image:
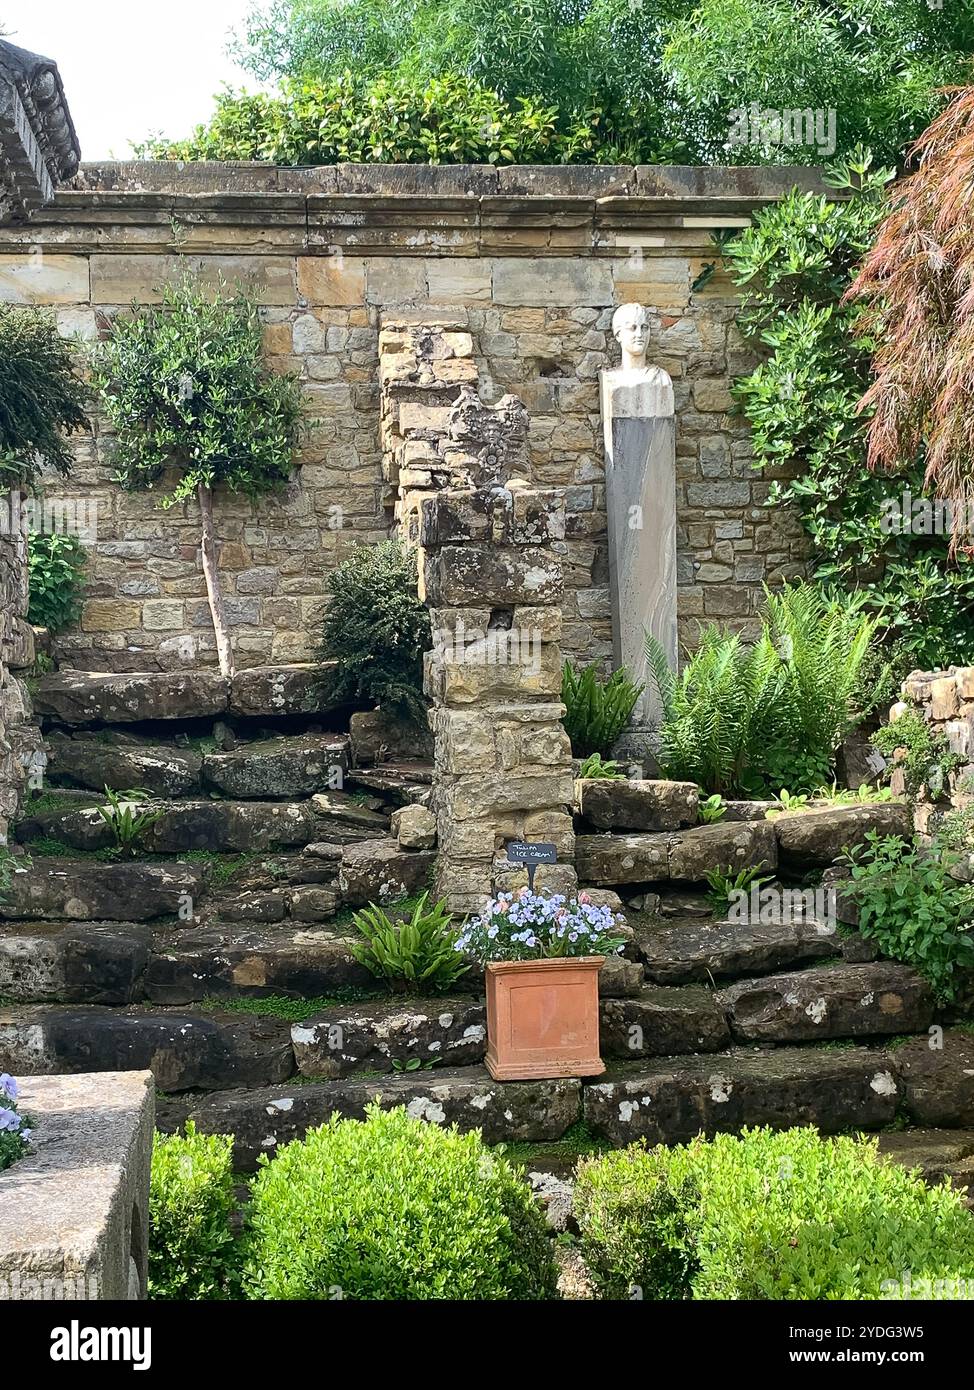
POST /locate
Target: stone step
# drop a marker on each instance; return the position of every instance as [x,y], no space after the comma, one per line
[93,762]
[222,827]
[184,1050]
[69,963]
[697,949]
[89,697]
[375,1035]
[938,1077]
[262,1120]
[670,1100]
[795,840]
[829,1001]
[86,890]
[304,962]
[275,769]
[662,1022]
[936,1153]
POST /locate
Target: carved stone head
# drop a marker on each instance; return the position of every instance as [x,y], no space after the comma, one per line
[630,328]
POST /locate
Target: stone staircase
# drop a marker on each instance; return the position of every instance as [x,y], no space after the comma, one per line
[184,958]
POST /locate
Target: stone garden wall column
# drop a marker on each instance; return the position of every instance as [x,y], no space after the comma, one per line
[493,580]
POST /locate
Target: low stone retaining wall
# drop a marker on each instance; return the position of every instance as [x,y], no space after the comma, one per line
[74,1214]
[21,750]
[945,699]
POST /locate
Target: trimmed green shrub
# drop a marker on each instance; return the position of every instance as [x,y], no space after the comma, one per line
[765,1216]
[42,397]
[913,909]
[192,1252]
[377,630]
[755,718]
[597,709]
[418,953]
[56,564]
[394,1208]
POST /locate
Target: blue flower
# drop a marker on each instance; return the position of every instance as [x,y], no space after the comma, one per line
[8,1086]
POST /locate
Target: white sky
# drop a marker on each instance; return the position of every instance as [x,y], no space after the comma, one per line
[132,67]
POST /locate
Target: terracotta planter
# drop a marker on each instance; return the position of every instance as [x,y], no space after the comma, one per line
[543,1018]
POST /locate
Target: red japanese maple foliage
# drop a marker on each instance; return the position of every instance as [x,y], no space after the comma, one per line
[918,285]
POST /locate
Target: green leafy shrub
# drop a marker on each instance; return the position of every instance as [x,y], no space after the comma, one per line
[416,954]
[802,401]
[56,564]
[712,809]
[597,709]
[724,886]
[912,908]
[192,1252]
[747,718]
[394,1208]
[193,405]
[377,630]
[766,1216]
[42,397]
[388,120]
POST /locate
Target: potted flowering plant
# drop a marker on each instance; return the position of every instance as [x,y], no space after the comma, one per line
[542,954]
[14,1127]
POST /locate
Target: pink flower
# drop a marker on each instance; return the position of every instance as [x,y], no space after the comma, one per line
[503,906]
[584,898]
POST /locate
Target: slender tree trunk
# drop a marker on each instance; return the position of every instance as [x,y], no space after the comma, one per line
[214,592]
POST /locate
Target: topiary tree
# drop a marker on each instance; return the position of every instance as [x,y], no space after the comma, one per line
[390,1209]
[42,396]
[185,386]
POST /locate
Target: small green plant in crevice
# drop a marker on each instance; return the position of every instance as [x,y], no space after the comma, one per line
[596,768]
[418,953]
[376,630]
[724,886]
[192,1251]
[415,1064]
[913,909]
[597,708]
[920,752]
[712,809]
[10,864]
[786,801]
[56,573]
[124,819]
[282,1006]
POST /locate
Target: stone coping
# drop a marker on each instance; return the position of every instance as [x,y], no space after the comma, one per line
[73,1212]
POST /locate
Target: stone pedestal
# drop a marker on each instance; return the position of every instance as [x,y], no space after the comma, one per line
[74,1213]
[640,452]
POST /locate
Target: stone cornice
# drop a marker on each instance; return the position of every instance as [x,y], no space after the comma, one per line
[38,143]
[446,210]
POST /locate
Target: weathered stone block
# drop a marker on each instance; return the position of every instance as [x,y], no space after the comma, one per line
[813,839]
[697,949]
[74,1214]
[330,280]
[46,279]
[261,1121]
[414,827]
[726,847]
[297,765]
[473,574]
[49,962]
[672,1100]
[380,872]
[80,697]
[556,282]
[937,1073]
[831,1001]
[638,805]
[303,961]
[371,1036]
[662,1023]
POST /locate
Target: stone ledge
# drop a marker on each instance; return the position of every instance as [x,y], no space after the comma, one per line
[74,1214]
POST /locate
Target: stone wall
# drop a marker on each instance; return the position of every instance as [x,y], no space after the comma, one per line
[945,699]
[21,750]
[530,263]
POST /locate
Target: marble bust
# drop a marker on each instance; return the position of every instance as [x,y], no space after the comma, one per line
[643,391]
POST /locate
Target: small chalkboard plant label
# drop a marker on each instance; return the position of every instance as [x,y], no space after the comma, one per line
[531,855]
